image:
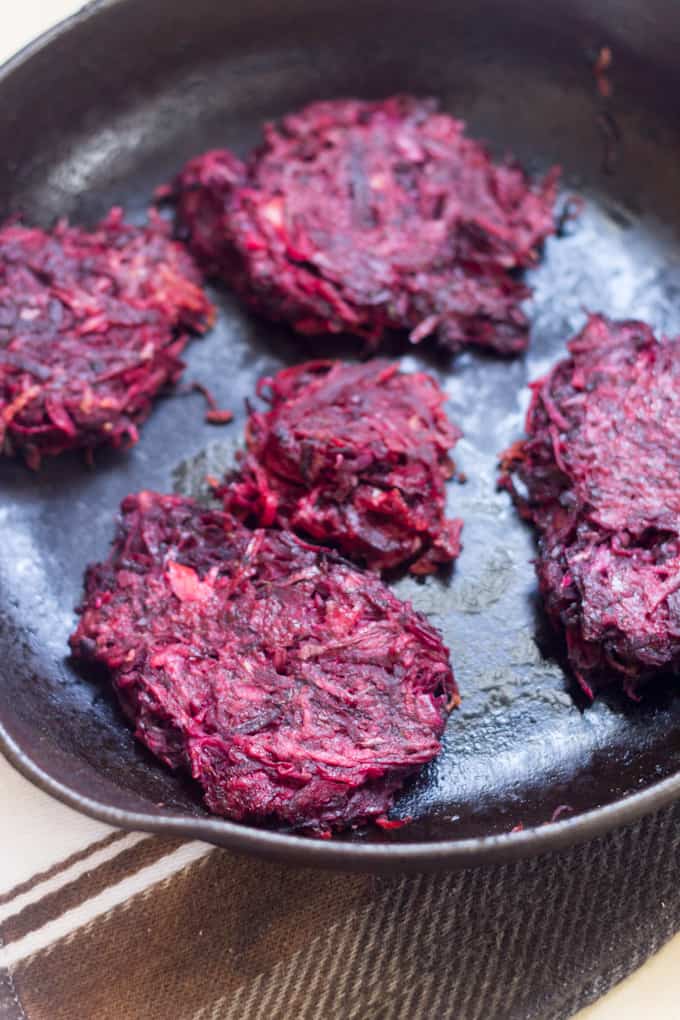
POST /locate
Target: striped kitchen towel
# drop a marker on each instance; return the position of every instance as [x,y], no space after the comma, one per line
[97,924]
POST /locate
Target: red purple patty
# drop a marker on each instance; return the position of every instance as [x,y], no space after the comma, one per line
[598,474]
[361,217]
[290,685]
[356,457]
[92,325]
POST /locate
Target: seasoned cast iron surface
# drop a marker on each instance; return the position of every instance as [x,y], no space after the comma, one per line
[524,741]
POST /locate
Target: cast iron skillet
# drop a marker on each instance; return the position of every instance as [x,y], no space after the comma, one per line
[109,105]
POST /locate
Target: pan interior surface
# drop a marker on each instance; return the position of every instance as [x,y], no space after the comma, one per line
[80,132]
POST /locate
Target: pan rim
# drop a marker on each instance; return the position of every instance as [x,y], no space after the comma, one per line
[305,851]
[302,850]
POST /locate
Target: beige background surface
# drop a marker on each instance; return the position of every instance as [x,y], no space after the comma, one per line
[653,991]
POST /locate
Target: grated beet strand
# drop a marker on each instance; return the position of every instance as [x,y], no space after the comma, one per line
[92,324]
[292,686]
[360,217]
[600,469]
[353,456]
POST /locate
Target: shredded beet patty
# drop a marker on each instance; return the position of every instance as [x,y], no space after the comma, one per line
[291,685]
[92,324]
[359,217]
[601,470]
[355,456]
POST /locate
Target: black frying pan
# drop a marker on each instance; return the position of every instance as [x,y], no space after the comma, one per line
[109,105]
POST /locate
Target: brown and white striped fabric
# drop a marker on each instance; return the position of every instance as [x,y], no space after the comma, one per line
[96,924]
